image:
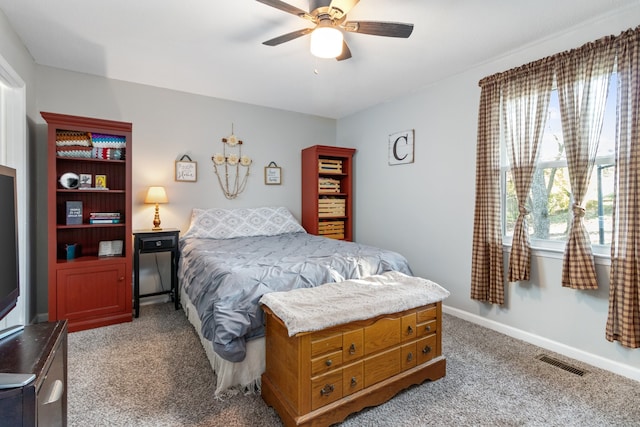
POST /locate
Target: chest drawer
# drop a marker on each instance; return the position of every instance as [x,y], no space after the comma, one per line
[326,389]
[409,357]
[383,334]
[381,366]
[321,344]
[352,378]
[408,327]
[326,362]
[427,314]
[427,349]
[352,345]
[427,328]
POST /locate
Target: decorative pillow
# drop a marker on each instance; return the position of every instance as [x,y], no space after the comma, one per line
[241,222]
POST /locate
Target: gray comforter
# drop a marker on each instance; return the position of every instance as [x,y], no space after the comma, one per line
[225,279]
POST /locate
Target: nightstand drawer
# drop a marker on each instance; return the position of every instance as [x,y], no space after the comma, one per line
[158,243]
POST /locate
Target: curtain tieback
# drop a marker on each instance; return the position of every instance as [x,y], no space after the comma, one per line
[578,211]
[523,210]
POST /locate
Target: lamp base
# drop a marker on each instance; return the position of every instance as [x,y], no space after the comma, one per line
[156,219]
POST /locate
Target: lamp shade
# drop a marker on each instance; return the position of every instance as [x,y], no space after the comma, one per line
[326,42]
[156,195]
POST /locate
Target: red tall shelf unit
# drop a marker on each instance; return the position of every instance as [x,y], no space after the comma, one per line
[327,191]
[87,290]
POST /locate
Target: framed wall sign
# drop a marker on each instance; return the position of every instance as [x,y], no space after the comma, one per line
[186,170]
[401,145]
[272,174]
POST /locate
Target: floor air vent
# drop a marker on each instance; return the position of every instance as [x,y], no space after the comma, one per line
[560,364]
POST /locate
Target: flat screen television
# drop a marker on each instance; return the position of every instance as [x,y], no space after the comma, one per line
[9,273]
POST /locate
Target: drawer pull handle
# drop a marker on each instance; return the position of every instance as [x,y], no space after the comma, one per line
[158,243]
[409,330]
[352,348]
[354,382]
[426,349]
[428,329]
[55,393]
[409,357]
[328,362]
[326,390]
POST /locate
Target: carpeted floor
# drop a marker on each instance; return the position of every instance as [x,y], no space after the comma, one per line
[153,372]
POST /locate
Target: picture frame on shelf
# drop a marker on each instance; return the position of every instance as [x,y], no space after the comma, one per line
[86,180]
[272,174]
[101,181]
[186,170]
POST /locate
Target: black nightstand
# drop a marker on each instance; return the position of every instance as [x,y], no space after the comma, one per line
[148,242]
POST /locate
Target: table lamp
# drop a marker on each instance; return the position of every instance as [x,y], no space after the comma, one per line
[156,195]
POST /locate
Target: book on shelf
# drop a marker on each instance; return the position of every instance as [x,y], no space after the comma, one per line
[110,248]
[74,212]
[104,215]
[104,221]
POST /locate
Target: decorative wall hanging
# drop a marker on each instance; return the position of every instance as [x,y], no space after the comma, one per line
[401,147]
[186,170]
[231,167]
[272,174]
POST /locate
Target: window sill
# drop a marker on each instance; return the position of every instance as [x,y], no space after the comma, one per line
[557,252]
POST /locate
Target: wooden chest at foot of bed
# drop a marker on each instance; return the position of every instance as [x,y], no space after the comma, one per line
[319,378]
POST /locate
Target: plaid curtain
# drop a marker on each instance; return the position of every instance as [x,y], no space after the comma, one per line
[583,81]
[487,278]
[526,96]
[623,322]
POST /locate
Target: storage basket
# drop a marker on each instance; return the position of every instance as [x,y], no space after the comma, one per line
[328,207]
[331,229]
[328,185]
[330,165]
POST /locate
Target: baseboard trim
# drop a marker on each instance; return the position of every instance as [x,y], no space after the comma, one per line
[574,353]
[156,299]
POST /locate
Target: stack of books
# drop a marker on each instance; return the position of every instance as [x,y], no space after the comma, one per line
[104,217]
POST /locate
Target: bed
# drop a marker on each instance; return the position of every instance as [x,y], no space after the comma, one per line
[230,258]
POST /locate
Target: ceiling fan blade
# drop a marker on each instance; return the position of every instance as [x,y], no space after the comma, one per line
[386,29]
[287,37]
[346,52]
[286,7]
[344,6]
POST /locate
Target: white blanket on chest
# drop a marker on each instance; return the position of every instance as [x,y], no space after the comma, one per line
[314,309]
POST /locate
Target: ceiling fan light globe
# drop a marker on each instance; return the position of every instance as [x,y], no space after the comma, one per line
[326,42]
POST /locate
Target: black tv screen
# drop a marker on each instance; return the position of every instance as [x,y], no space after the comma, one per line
[9,275]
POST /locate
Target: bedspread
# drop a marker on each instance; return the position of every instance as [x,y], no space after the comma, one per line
[225,278]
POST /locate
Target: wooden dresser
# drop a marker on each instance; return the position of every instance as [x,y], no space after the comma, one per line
[39,349]
[319,378]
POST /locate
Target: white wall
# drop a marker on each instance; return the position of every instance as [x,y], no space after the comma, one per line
[168,124]
[425,210]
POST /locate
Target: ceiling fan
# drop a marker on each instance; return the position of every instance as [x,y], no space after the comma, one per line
[330,16]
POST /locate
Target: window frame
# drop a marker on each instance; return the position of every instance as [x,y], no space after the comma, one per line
[546,247]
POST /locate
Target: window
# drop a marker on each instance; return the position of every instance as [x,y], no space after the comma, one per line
[549,202]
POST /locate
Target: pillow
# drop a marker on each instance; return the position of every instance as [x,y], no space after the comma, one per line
[241,222]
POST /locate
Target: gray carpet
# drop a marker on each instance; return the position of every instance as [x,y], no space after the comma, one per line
[153,372]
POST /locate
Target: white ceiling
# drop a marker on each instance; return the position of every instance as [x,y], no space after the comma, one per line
[214,47]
